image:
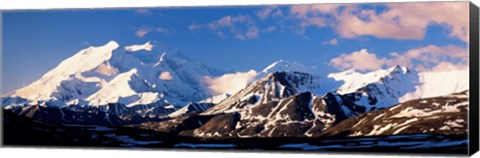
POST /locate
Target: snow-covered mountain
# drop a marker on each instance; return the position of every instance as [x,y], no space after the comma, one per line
[278,105]
[103,75]
[269,107]
[383,88]
[274,86]
[377,89]
[142,87]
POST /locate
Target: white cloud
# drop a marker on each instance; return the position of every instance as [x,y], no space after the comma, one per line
[230,83]
[165,75]
[399,21]
[430,55]
[333,41]
[361,60]
[427,58]
[312,16]
[143,31]
[446,66]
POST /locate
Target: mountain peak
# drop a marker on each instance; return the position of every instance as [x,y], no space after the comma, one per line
[284,65]
[113,44]
[398,69]
[52,82]
[274,86]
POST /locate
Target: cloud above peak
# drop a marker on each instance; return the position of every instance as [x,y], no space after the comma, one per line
[427,58]
[361,60]
[230,83]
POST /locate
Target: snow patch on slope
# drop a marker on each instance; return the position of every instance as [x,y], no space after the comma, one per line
[434,84]
[283,65]
[117,88]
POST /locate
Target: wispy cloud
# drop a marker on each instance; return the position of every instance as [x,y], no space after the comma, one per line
[194,27]
[333,41]
[427,58]
[230,21]
[143,11]
[270,29]
[141,32]
[242,27]
[164,30]
[271,11]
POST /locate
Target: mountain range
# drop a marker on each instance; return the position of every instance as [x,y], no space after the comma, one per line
[140,87]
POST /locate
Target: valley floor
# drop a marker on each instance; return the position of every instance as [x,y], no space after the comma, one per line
[20,131]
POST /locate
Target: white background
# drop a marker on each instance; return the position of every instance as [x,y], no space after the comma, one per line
[107,153]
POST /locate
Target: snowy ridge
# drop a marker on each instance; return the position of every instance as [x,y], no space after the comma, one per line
[106,75]
[384,88]
[50,85]
[216,99]
[355,80]
[133,48]
[377,89]
[284,65]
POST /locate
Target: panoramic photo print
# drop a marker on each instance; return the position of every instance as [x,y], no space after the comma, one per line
[367,77]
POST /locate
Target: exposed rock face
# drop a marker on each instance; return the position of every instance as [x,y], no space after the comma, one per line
[305,115]
[438,115]
[273,87]
[299,115]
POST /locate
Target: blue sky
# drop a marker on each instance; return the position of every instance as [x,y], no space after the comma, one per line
[329,37]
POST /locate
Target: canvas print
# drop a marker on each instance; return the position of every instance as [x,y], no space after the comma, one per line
[376,77]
